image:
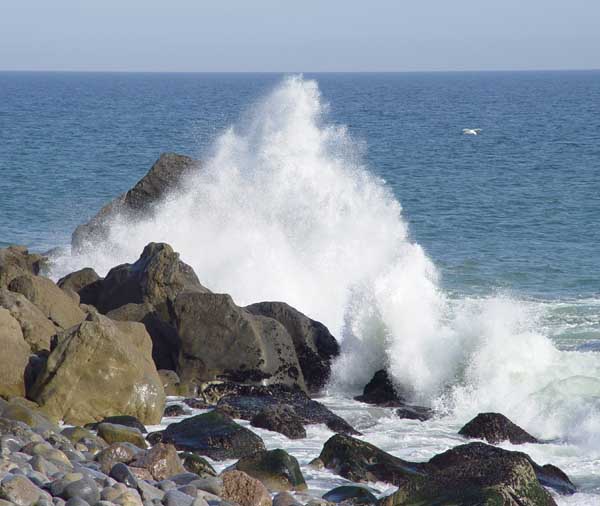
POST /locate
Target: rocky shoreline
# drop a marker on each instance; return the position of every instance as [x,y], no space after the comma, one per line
[89,362]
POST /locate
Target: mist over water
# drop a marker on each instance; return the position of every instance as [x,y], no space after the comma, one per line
[285,208]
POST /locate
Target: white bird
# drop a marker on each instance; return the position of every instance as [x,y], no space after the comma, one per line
[471,131]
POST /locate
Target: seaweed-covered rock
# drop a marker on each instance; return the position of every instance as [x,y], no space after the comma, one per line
[220,340]
[314,344]
[362,462]
[101,368]
[247,401]
[495,428]
[198,465]
[282,419]
[276,469]
[213,434]
[164,176]
[475,473]
[350,495]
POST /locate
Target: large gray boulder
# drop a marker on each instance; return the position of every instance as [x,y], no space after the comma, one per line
[314,344]
[220,340]
[100,368]
[165,176]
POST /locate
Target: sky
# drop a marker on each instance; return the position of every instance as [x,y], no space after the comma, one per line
[299,36]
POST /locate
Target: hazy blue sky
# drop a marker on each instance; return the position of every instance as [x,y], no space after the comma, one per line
[306,35]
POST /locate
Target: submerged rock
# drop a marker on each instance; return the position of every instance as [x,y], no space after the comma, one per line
[495,428]
[101,368]
[164,177]
[213,434]
[415,413]
[381,391]
[276,469]
[248,401]
[314,344]
[363,462]
[350,495]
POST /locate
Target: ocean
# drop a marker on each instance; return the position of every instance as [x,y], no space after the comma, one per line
[467,265]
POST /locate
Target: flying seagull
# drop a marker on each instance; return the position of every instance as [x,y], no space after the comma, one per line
[471,131]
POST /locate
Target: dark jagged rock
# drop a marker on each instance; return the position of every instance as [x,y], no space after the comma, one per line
[381,391]
[495,428]
[220,340]
[363,462]
[175,410]
[85,282]
[196,464]
[314,344]
[414,413]
[276,469]
[213,434]
[350,495]
[164,177]
[247,401]
[282,419]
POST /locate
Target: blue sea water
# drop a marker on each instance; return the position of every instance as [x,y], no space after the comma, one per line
[517,207]
[510,215]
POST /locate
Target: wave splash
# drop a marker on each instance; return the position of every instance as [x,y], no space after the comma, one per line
[285,209]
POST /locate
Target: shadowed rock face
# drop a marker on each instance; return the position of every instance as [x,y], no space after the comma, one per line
[381,391]
[495,428]
[84,282]
[165,176]
[314,344]
[220,340]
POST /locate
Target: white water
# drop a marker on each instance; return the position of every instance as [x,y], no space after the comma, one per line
[284,209]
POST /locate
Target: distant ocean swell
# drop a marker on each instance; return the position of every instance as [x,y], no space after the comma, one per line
[285,209]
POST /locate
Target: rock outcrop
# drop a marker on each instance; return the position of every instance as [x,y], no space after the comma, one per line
[101,368]
[16,261]
[381,391]
[165,176]
[85,282]
[14,356]
[495,428]
[220,340]
[314,344]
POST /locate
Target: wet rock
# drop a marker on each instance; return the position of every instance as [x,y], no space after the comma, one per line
[37,329]
[15,356]
[495,428]
[20,490]
[240,488]
[197,465]
[54,303]
[197,403]
[175,410]
[381,391]
[85,282]
[161,461]
[165,176]
[415,413]
[363,462]
[276,469]
[285,499]
[99,368]
[282,419]
[213,434]
[113,433]
[314,344]
[211,325]
[247,401]
[155,437]
[350,495]
[475,473]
